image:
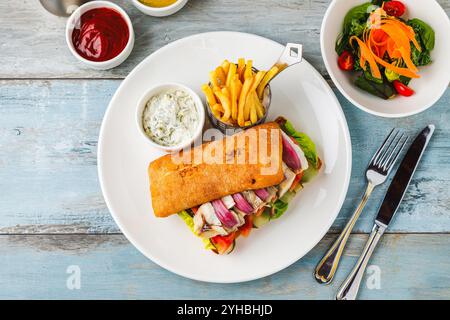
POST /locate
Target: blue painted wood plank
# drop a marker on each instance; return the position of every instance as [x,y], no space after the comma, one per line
[411,266]
[427,203]
[48,174]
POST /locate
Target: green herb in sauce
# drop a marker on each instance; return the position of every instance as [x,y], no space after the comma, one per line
[170,118]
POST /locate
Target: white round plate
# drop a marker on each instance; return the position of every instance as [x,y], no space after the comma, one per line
[299,93]
[428,88]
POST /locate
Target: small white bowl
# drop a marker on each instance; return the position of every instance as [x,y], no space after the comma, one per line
[428,88]
[99,65]
[164,88]
[160,12]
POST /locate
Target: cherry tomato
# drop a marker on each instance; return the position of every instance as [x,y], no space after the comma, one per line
[345,61]
[403,89]
[394,8]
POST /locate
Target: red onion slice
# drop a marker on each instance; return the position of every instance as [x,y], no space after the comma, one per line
[290,156]
[242,204]
[263,194]
[224,215]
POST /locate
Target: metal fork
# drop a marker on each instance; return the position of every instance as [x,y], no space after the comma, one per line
[377,172]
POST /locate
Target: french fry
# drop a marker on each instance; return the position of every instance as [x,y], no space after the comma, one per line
[250,105]
[218,108]
[269,75]
[226,92]
[220,74]
[253,115]
[247,104]
[216,114]
[213,78]
[209,94]
[258,105]
[239,88]
[241,68]
[231,73]
[216,88]
[235,83]
[248,73]
[242,101]
[235,92]
[260,110]
[258,78]
[226,66]
[225,104]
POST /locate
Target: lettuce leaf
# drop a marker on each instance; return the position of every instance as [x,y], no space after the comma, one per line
[278,208]
[305,142]
[190,223]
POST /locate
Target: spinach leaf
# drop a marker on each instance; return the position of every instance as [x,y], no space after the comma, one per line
[364,84]
[420,58]
[356,17]
[368,75]
[355,21]
[383,90]
[425,36]
[425,32]
[342,44]
[404,80]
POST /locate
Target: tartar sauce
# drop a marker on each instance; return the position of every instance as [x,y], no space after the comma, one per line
[170,118]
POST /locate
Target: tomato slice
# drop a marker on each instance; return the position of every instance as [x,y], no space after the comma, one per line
[297,180]
[248,225]
[346,61]
[394,8]
[223,243]
[402,89]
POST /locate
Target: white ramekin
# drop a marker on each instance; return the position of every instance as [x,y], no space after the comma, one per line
[160,12]
[100,65]
[160,89]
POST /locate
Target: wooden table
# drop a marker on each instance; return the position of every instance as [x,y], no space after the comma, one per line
[52,213]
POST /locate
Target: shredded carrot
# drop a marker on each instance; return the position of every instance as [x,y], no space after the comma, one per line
[401,71]
[379,37]
[387,35]
[392,50]
[369,56]
[409,31]
[401,43]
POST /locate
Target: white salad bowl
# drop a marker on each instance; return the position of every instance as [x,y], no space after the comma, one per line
[99,65]
[434,78]
[160,12]
[158,89]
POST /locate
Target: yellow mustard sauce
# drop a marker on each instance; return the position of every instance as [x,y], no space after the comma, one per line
[158,3]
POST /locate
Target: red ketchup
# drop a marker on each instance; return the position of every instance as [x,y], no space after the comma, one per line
[100,35]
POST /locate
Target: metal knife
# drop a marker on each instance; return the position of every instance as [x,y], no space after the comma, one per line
[394,196]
